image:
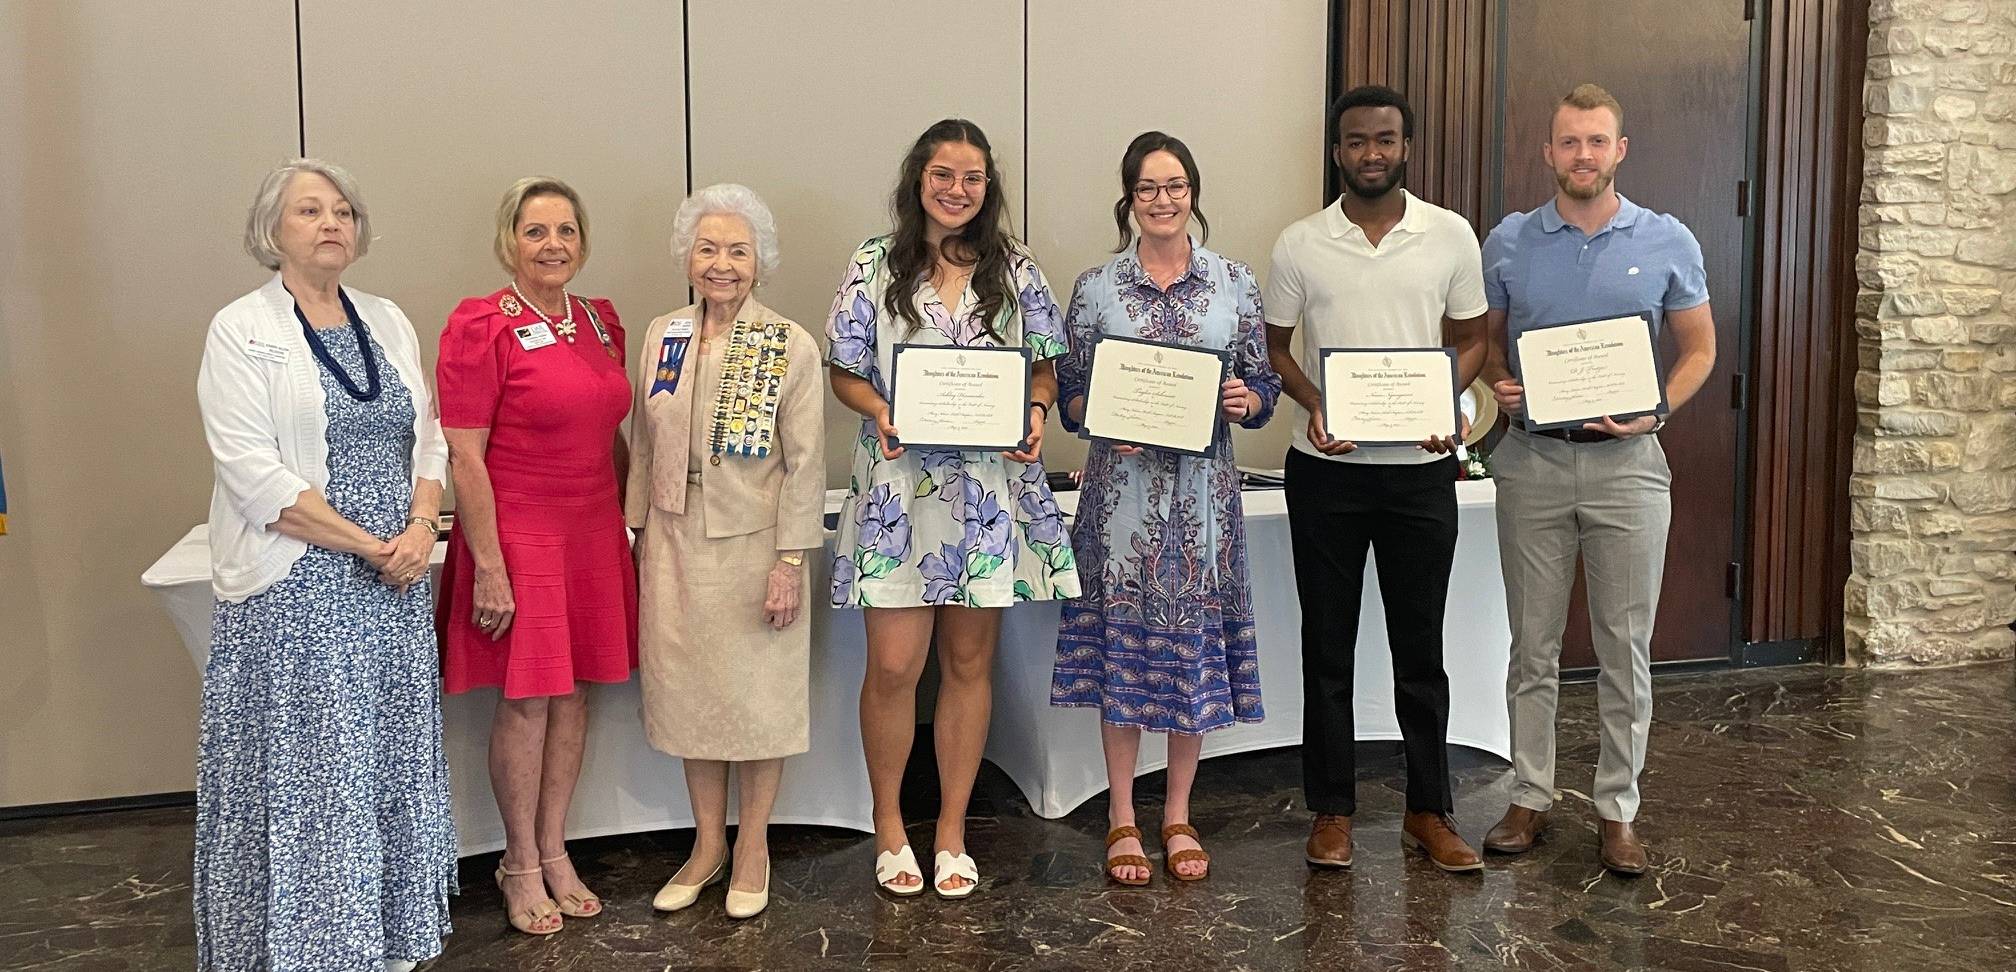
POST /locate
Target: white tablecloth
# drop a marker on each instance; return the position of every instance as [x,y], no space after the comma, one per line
[1052,754]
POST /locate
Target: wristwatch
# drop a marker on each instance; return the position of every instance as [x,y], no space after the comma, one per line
[1657,424]
[795,558]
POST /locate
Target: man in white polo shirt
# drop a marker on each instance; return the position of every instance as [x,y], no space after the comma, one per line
[1377,269]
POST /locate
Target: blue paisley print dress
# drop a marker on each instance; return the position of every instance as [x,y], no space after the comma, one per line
[936,526]
[1163,637]
[324,841]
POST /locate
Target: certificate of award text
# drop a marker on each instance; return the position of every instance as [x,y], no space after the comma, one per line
[1389,396]
[1154,394]
[949,397]
[1584,370]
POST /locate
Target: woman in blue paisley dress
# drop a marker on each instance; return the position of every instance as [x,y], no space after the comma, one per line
[1162,639]
[324,841]
[940,540]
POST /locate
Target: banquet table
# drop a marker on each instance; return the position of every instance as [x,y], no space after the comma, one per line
[1052,754]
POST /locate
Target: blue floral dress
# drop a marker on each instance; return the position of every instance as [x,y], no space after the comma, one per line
[936,526]
[324,840]
[1163,637]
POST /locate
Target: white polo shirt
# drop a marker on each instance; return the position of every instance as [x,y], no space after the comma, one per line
[1344,292]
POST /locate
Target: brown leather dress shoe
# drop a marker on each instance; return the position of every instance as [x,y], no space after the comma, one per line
[1622,851]
[1329,841]
[1517,831]
[1434,834]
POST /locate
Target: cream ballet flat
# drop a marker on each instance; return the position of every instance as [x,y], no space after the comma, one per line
[674,896]
[749,904]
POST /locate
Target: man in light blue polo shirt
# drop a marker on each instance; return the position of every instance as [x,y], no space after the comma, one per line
[1602,490]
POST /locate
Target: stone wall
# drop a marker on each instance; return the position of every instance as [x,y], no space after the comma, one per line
[1933,494]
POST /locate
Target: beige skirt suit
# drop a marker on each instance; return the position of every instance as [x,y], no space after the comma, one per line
[718,682]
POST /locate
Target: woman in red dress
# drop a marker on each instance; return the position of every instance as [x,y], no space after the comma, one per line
[539,593]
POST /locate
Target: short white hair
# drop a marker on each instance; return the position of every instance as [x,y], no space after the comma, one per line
[262,221]
[732,199]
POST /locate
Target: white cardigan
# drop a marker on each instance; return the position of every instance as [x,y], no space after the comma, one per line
[262,401]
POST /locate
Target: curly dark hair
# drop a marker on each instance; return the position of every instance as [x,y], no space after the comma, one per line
[983,243]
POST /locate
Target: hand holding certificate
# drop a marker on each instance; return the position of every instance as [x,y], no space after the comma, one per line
[1580,372]
[1389,396]
[973,399]
[1154,394]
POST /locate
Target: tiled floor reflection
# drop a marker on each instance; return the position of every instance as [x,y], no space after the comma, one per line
[1799,819]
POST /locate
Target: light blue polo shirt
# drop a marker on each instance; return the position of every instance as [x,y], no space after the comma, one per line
[1541,270]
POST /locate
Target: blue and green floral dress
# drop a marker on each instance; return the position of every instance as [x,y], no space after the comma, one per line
[1163,639]
[937,526]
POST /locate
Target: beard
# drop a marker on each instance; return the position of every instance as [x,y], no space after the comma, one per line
[1395,178]
[1603,179]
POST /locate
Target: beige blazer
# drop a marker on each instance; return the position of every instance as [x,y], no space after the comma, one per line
[785,489]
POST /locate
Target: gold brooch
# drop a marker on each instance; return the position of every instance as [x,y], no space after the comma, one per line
[509,305]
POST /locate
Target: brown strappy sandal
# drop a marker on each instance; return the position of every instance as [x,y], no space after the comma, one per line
[1115,836]
[1174,858]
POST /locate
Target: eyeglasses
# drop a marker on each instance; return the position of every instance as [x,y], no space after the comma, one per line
[1176,188]
[942,179]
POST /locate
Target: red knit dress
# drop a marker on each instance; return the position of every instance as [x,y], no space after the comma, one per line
[552,412]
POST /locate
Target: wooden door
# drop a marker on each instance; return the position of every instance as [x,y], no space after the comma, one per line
[1681,72]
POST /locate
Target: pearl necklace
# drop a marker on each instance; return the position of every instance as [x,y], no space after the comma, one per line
[564,327]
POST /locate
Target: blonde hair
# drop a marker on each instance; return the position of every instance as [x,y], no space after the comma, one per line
[262,220]
[1589,97]
[513,206]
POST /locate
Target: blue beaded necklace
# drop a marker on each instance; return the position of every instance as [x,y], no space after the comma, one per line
[372,385]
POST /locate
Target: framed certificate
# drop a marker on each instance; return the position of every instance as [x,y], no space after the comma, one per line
[947,397]
[1581,371]
[1389,396]
[1155,394]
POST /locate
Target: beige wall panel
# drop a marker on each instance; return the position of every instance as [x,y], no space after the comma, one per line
[1242,87]
[438,108]
[133,137]
[813,106]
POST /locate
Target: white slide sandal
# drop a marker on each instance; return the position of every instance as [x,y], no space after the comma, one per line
[890,865]
[949,865]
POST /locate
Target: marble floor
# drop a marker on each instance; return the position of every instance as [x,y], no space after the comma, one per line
[1798,818]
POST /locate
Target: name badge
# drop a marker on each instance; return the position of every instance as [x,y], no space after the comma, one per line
[266,350]
[679,328]
[533,336]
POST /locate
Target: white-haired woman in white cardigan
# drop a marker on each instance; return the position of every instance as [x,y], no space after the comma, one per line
[323,834]
[727,489]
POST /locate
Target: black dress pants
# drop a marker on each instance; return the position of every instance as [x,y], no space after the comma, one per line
[1406,515]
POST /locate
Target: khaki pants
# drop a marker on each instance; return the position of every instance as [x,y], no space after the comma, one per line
[1612,502]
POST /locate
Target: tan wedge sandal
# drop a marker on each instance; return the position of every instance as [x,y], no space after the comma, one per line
[540,919]
[1174,858]
[1115,836]
[574,904]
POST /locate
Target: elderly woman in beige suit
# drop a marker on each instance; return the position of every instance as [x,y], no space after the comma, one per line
[727,491]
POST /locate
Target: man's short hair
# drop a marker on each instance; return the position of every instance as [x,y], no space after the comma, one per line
[1370,96]
[1589,97]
